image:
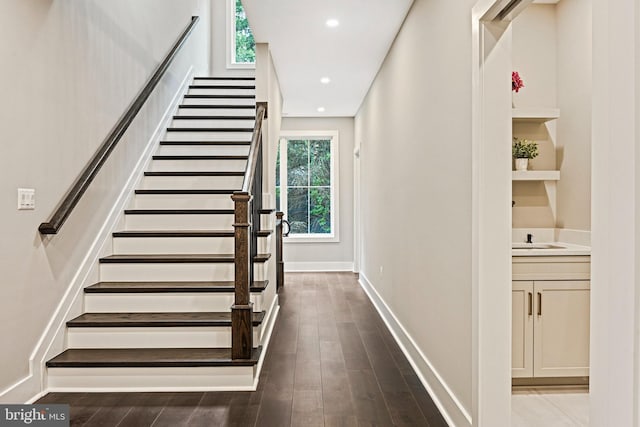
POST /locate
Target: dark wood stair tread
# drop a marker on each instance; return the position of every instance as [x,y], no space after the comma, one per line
[191,129]
[149,357]
[169,287]
[196,86]
[226,107]
[223,96]
[176,258]
[214,117]
[185,191]
[194,173]
[224,78]
[179,212]
[141,320]
[196,157]
[183,233]
[206,143]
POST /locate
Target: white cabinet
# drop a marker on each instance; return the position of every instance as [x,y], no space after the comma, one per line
[550,318]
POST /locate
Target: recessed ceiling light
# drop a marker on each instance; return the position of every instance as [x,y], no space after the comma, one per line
[321,110]
[332,23]
[325,80]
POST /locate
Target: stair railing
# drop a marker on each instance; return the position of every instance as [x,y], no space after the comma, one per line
[280,222]
[82,182]
[247,207]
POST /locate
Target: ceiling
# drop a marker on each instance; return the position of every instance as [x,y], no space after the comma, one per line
[304,49]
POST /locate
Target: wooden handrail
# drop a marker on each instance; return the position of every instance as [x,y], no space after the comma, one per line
[256,142]
[81,184]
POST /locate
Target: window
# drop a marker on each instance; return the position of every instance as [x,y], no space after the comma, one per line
[306,184]
[241,45]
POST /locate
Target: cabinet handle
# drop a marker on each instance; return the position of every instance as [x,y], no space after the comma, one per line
[539,304]
[530,303]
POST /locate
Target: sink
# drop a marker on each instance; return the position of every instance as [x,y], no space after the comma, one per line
[536,246]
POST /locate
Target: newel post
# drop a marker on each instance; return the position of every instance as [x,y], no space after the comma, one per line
[242,309]
[279,260]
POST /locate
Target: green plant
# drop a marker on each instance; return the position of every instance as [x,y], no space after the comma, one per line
[524,149]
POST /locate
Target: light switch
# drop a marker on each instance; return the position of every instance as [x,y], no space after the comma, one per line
[26,198]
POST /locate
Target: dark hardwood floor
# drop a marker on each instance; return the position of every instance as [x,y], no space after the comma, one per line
[331,362]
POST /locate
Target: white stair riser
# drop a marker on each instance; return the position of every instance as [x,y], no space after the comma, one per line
[192,182]
[183,201]
[158,272]
[179,245]
[188,222]
[150,379]
[153,337]
[219,101]
[208,136]
[223,82]
[198,165]
[197,149]
[179,222]
[186,111]
[180,302]
[222,91]
[213,123]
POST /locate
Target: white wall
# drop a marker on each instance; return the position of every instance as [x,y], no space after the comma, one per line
[574,126]
[414,129]
[70,70]
[328,256]
[615,233]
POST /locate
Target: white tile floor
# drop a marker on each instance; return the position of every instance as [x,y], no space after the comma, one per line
[549,407]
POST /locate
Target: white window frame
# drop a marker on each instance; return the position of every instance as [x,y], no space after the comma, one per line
[231,40]
[335,211]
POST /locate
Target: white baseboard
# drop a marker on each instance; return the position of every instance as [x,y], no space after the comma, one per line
[52,341]
[447,402]
[317,266]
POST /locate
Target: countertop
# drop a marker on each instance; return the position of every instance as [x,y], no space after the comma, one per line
[554,249]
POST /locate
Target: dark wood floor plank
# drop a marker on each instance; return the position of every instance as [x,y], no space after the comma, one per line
[332,362]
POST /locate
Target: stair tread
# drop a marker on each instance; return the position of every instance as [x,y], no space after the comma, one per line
[182,233]
[223,78]
[179,211]
[184,191]
[194,173]
[222,96]
[106,320]
[176,258]
[150,357]
[232,87]
[214,117]
[169,287]
[208,129]
[228,106]
[199,157]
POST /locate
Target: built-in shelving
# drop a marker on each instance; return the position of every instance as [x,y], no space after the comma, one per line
[539,114]
[535,175]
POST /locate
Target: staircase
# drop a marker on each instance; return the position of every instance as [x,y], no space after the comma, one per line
[160,319]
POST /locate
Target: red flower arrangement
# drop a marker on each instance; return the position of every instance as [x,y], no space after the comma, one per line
[516,81]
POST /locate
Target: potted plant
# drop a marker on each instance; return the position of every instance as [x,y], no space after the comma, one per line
[523,150]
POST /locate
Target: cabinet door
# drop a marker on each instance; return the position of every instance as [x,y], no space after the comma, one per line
[522,329]
[561,331]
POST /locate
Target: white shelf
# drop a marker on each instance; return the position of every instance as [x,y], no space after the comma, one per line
[535,114]
[535,175]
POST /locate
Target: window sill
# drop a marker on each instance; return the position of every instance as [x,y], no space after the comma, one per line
[241,66]
[311,239]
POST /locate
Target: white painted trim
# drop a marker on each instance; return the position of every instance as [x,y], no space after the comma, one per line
[270,322]
[334,237]
[298,267]
[445,399]
[31,387]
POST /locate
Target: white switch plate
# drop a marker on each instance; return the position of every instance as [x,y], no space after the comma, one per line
[26,198]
